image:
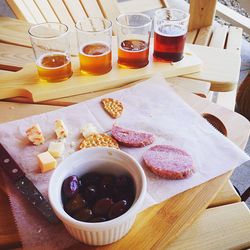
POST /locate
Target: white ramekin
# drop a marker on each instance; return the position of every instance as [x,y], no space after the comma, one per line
[103,160]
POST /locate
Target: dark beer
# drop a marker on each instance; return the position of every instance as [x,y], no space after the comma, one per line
[169,42]
[54,67]
[133,54]
[95,59]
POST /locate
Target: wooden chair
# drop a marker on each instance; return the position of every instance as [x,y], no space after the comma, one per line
[243,98]
[202,31]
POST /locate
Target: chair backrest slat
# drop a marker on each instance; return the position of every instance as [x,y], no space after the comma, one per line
[219,37]
[34,10]
[21,11]
[75,9]
[46,10]
[139,6]
[204,36]
[191,36]
[110,10]
[62,13]
[234,39]
[91,8]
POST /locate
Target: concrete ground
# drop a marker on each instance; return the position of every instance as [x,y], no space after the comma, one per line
[241,176]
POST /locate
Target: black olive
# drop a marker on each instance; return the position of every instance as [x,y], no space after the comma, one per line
[70,186]
[106,185]
[64,198]
[129,196]
[123,182]
[84,214]
[74,204]
[90,194]
[117,209]
[92,178]
[124,185]
[102,206]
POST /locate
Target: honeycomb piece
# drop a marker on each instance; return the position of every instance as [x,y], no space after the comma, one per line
[112,106]
[98,140]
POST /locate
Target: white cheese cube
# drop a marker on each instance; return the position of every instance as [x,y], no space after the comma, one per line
[46,161]
[56,149]
[35,135]
[60,129]
[88,129]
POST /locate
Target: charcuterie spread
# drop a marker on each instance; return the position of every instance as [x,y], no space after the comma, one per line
[163,160]
[173,144]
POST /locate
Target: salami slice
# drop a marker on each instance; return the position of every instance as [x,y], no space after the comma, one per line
[131,138]
[169,162]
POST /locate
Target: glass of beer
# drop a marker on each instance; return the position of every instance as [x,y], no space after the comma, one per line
[170,29]
[94,37]
[51,46]
[133,38]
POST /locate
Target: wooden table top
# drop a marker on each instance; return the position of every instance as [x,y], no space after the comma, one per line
[206,211]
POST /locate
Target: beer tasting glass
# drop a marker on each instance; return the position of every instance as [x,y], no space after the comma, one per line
[51,46]
[95,45]
[133,38]
[170,29]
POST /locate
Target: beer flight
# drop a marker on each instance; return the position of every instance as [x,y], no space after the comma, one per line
[51,43]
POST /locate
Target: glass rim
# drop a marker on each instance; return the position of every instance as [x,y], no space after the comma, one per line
[94,31]
[136,14]
[187,15]
[48,37]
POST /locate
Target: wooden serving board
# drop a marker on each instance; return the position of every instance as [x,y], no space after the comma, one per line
[157,226]
[26,82]
[220,66]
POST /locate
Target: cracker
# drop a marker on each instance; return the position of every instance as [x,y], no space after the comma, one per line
[112,106]
[99,140]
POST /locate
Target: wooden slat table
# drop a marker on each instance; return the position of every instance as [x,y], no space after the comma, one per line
[225,215]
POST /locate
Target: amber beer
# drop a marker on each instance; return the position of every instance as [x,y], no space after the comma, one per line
[169,42]
[54,67]
[133,36]
[94,37]
[51,45]
[170,28]
[95,58]
[133,54]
